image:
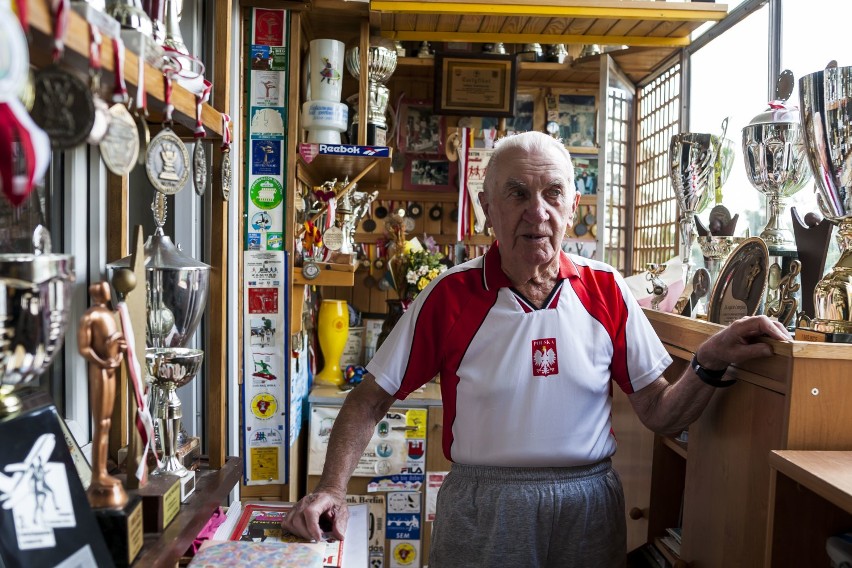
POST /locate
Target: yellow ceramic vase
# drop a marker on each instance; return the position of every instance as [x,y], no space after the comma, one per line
[332,331]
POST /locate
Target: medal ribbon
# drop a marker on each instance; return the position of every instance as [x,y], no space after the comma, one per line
[226,133]
[144,421]
[60,26]
[119,92]
[311,238]
[12,130]
[167,95]
[23,15]
[141,94]
[95,56]
[199,103]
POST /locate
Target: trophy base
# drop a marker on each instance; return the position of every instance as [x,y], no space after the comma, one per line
[45,519]
[806,334]
[160,502]
[122,530]
[187,486]
[376,135]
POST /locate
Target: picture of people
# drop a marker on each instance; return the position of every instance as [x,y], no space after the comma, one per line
[422,131]
[427,173]
[521,122]
[577,117]
[585,174]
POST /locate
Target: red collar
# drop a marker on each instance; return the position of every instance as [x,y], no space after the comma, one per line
[493,275]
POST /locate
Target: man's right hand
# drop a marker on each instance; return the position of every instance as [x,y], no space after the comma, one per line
[317,514]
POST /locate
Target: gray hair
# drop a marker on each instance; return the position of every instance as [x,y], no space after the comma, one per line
[529,142]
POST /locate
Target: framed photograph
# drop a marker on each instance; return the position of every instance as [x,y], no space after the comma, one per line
[422,131]
[475,85]
[429,173]
[585,173]
[577,120]
[529,115]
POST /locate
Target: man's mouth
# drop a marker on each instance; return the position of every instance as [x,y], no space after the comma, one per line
[534,236]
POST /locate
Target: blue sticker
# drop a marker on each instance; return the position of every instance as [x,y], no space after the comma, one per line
[402,526]
[260,57]
[266,157]
[254,241]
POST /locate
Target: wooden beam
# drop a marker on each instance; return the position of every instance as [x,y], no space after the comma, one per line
[363,83]
[117,205]
[476,37]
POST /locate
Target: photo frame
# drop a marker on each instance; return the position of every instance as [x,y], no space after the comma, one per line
[529,115]
[421,130]
[586,173]
[429,173]
[481,84]
[577,120]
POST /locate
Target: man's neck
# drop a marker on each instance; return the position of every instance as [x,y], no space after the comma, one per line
[535,282]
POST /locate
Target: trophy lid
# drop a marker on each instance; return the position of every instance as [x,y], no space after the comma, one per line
[778,112]
[162,254]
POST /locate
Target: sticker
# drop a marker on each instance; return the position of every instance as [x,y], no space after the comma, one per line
[404,553]
[263,300]
[265,437]
[260,58]
[416,449]
[253,241]
[416,418]
[399,482]
[261,221]
[274,240]
[266,192]
[266,157]
[403,502]
[268,89]
[263,366]
[384,450]
[403,526]
[269,27]
[279,58]
[264,405]
[434,480]
[267,123]
[262,333]
[264,463]
[544,358]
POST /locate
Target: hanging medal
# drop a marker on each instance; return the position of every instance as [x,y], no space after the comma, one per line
[120,147]
[140,113]
[199,159]
[166,159]
[63,105]
[226,157]
[311,245]
[24,147]
[101,122]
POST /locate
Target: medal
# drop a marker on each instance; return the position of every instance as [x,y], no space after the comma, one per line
[167,159]
[63,107]
[332,238]
[102,116]
[199,159]
[120,147]
[226,157]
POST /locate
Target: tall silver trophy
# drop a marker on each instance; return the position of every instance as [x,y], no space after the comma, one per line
[177,288]
[826,103]
[35,300]
[776,163]
[691,164]
[381,63]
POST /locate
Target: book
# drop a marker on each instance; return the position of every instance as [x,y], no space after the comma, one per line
[261,522]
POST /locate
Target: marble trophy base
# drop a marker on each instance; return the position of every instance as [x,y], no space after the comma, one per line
[187,485]
[122,530]
[376,134]
[160,501]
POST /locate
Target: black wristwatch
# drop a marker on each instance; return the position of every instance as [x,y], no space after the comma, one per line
[709,376]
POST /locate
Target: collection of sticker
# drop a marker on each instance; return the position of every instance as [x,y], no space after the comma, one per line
[267,428]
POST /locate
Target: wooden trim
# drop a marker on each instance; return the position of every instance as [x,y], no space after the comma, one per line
[217,362]
[363,83]
[478,37]
[826,473]
[117,248]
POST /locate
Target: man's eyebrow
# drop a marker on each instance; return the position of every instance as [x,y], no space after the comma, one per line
[512,183]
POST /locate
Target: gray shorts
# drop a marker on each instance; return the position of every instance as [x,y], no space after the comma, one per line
[519,517]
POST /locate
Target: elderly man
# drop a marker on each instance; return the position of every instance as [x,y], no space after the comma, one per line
[527,340]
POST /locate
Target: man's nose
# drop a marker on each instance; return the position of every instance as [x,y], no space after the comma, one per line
[536,209]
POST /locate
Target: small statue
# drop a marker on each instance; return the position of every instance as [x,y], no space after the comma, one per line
[102,344]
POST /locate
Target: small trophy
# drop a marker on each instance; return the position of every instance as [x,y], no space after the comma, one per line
[658,287]
[381,63]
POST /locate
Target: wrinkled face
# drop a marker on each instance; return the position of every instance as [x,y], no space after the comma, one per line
[530,206]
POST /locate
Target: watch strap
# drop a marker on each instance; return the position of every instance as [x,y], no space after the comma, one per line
[710,376]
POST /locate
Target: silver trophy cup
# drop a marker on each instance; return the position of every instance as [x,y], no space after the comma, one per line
[826,106]
[381,63]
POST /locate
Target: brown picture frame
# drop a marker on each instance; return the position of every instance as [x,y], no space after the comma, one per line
[429,173]
[577,118]
[475,85]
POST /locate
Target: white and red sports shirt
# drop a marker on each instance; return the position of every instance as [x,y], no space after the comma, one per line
[523,386]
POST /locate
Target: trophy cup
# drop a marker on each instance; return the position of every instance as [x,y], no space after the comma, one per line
[691,163]
[176,296]
[381,63]
[774,154]
[826,103]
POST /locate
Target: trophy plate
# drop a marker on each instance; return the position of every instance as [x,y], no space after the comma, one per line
[741,284]
[63,107]
[332,238]
[120,146]
[167,162]
[199,168]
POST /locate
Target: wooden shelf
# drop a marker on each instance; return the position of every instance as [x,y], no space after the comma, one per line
[676,446]
[76,56]
[480,240]
[673,558]
[212,489]
[330,275]
[373,173]
[823,472]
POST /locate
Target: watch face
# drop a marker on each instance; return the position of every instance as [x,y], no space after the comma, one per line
[310,270]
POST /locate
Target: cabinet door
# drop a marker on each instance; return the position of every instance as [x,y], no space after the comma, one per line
[727,477]
[632,461]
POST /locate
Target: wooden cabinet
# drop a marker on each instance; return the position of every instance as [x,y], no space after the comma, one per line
[797,399]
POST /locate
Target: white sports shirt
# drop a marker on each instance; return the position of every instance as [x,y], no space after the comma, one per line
[523,386]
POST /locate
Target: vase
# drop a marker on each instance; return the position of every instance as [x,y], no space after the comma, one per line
[396,308]
[332,331]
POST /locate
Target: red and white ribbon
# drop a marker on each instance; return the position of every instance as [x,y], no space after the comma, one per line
[144,421]
[226,133]
[23,15]
[12,131]
[119,91]
[60,26]
[199,105]
[167,96]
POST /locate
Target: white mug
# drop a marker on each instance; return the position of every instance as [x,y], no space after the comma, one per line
[326,71]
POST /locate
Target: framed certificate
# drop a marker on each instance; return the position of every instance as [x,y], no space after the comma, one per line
[475,85]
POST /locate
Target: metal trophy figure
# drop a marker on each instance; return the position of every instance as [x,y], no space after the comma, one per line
[691,164]
[381,63]
[658,287]
[177,294]
[826,103]
[775,161]
[102,344]
[35,298]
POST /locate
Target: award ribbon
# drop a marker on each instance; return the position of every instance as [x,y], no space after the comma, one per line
[23,16]
[226,133]
[60,26]
[199,103]
[119,91]
[168,71]
[144,422]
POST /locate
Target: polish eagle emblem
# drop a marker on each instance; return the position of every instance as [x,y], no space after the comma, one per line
[544,358]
